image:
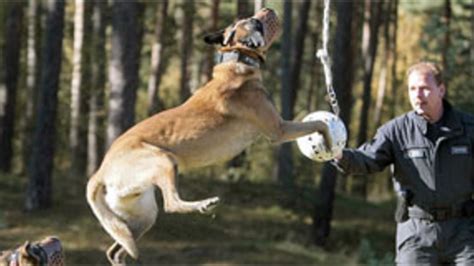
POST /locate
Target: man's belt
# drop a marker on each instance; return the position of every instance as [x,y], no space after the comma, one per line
[442,214]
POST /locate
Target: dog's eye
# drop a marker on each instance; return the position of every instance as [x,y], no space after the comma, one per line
[257,24]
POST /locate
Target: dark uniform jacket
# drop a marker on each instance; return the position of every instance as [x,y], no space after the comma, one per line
[434,162]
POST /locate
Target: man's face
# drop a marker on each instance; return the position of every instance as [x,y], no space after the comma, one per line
[426,97]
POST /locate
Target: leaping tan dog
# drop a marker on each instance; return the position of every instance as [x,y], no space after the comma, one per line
[219,121]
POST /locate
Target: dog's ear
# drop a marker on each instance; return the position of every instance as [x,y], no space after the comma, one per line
[24,249]
[26,255]
[215,37]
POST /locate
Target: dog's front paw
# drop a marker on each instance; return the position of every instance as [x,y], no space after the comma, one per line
[208,205]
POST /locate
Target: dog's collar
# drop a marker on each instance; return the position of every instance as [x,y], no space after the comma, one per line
[239,57]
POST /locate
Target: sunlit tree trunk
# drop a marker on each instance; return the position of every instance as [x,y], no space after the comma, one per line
[259,4]
[123,66]
[382,87]
[8,91]
[157,62]
[40,192]
[77,128]
[96,128]
[342,69]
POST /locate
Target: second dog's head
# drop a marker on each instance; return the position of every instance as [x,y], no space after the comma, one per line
[47,252]
[252,35]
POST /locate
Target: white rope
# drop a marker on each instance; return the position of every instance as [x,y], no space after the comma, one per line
[323,55]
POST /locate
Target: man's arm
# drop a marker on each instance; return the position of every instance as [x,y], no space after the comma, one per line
[373,156]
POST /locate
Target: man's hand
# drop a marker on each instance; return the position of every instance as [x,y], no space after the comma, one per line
[338,156]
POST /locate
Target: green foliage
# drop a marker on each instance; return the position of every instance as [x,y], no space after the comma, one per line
[458,67]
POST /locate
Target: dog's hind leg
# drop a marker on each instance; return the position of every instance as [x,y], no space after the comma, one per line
[165,179]
[116,254]
[138,224]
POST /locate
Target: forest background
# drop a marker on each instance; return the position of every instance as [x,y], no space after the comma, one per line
[76,74]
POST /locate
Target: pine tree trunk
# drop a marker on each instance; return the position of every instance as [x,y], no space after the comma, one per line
[95,128]
[40,190]
[343,73]
[259,4]
[123,66]
[243,9]
[313,101]
[298,49]
[290,86]
[384,65]
[285,160]
[77,129]
[186,49]
[369,51]
[31,89]
[11,60]
[210,50]
[239,160]
[323,210]
[157,62]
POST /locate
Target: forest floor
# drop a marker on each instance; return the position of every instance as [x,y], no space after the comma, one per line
[250,226]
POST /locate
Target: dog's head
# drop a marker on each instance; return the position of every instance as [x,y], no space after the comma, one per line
[46,252]
[252,35]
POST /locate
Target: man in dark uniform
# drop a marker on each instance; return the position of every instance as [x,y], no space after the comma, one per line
[431,151]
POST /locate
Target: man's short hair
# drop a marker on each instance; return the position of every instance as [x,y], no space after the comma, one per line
[427,67]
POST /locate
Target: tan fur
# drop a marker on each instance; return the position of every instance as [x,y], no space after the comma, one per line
[23,259]
[219,121]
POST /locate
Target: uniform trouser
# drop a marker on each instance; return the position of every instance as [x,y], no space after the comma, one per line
[423,242]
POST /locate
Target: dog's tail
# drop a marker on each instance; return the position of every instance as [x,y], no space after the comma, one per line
[114,225]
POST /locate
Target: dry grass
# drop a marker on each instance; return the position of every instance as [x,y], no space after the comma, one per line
[248,227]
